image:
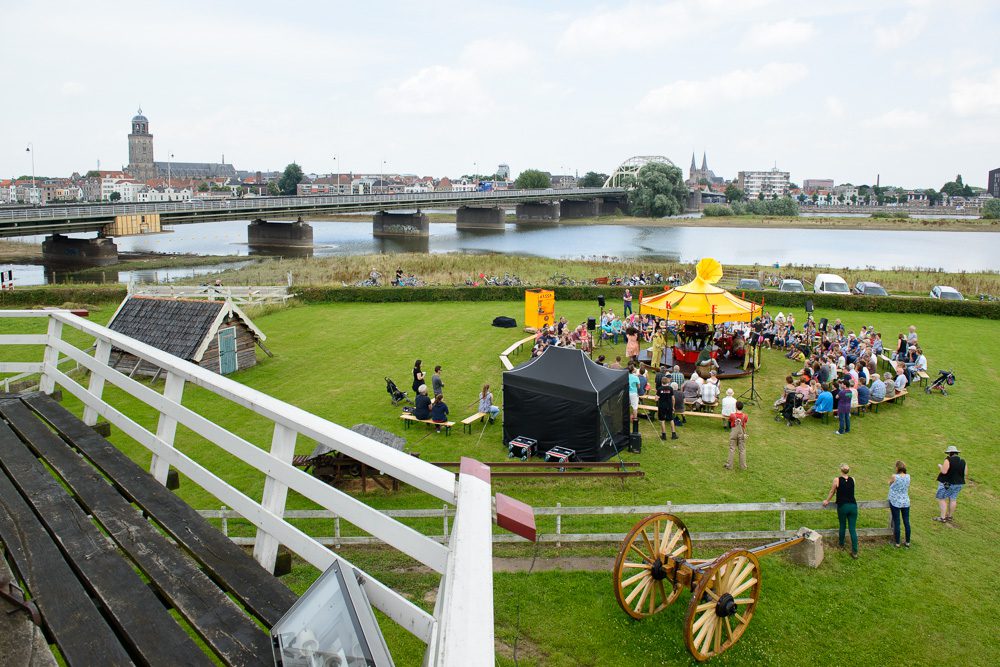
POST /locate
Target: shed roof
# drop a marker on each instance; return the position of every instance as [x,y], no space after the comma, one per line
[180,327]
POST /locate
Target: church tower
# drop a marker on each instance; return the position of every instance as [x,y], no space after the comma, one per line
[140,149]
[694,168]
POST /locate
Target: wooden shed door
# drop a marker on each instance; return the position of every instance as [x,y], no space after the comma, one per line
[227,350]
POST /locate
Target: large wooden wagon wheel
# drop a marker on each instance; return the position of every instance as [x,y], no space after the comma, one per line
[646,559]
[722,604]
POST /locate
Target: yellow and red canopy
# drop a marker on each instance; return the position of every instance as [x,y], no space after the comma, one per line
[700,300]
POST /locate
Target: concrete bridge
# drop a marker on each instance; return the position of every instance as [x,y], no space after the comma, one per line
[393,216]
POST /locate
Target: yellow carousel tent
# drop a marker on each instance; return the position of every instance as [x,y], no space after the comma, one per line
[700,300]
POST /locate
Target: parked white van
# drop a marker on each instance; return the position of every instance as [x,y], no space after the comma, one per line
[829,283]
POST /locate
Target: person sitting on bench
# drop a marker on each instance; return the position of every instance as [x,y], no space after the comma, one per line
[486,403]
[890,386]
[823,404]
[439,411]
[877,390]
[917,366]
[422,404]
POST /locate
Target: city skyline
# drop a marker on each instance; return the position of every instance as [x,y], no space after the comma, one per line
[843,92]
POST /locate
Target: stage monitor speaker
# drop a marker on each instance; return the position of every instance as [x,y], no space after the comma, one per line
[822,324]
[809,306]
[600,300]
[591,323]
[635,443]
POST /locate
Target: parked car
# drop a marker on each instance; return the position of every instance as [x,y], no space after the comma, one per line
[749,283]
[945,292]
[830,283]
[870,289]
[790,285]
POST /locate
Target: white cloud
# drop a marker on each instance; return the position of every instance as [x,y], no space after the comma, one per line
[628,28]
[981,96]
[835,106]
[894,35]
[736,85]
[899,119]
[789,32]
[500,52]
[72,88]
[438,89]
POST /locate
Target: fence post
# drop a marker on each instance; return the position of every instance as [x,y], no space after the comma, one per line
[444,513]
[781,525]
[166,427]
[47,383]
[336,531]
[225,522]
[558,525]
[265,548]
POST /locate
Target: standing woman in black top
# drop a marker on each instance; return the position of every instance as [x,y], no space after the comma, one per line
[950,481]
[418,375]
[847,506]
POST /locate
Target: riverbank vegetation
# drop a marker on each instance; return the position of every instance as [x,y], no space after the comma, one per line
[460,269]
[891,593]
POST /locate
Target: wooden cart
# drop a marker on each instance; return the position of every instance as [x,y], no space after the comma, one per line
[654,566]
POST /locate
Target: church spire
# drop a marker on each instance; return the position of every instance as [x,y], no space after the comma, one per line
[704,162]
[694,166]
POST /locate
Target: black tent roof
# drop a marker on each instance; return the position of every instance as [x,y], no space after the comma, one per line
[566,372]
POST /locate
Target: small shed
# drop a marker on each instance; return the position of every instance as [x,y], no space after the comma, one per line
[215,335]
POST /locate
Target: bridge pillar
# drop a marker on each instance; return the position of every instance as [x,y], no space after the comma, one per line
[95,252]
[578,208]
[694,203]
[612,205]
[538,212]
[475,217]
[262,233]
[385,224]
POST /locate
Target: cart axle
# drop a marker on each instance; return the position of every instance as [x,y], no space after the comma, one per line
[726,606]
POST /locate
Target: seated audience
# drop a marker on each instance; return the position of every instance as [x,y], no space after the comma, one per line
[877,392]
[422,404]
[823,404]
[439,411]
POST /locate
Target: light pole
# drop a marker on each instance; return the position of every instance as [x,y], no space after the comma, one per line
[336,171]
[169,159]
[31,149]
[382,177]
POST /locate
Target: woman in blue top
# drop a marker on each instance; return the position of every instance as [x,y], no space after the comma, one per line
[633,395]
[899,502]
[422,406]
[439,411]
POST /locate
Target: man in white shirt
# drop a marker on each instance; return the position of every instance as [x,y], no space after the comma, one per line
[709,393]
[728,403]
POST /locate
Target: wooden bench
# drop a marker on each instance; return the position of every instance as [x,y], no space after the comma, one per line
[710,415]
[472,419]
[924,377]
[192,567]
[408,419]
[900,396]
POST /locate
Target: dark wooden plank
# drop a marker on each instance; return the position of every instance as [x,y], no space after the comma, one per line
[233,635]
[144,625]
[230,566]
[75,624]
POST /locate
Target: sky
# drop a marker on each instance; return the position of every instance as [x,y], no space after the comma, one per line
[908,90]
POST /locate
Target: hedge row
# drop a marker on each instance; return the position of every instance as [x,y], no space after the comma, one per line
[983,309]
[58,295]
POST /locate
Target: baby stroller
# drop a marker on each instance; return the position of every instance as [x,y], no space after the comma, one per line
[395,394]
[943,378]
[792,410]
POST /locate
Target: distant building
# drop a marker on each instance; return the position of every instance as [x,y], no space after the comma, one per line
[772,183]
[848,192]
[993,182]
[811,185]
[503,171]
[142,167]
[704,175]
[563,181]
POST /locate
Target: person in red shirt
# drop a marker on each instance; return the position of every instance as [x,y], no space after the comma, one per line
[738,436]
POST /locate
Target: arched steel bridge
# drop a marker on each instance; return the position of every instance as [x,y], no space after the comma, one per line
[90,218]
[631,167]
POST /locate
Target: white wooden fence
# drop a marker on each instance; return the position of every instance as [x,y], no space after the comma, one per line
[459,632]
[629,515]
[237,294]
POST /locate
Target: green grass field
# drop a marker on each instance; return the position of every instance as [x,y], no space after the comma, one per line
[921,606]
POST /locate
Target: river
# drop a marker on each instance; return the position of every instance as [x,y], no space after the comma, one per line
[881,249]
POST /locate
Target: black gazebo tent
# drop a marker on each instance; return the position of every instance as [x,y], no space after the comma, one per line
[562,398]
